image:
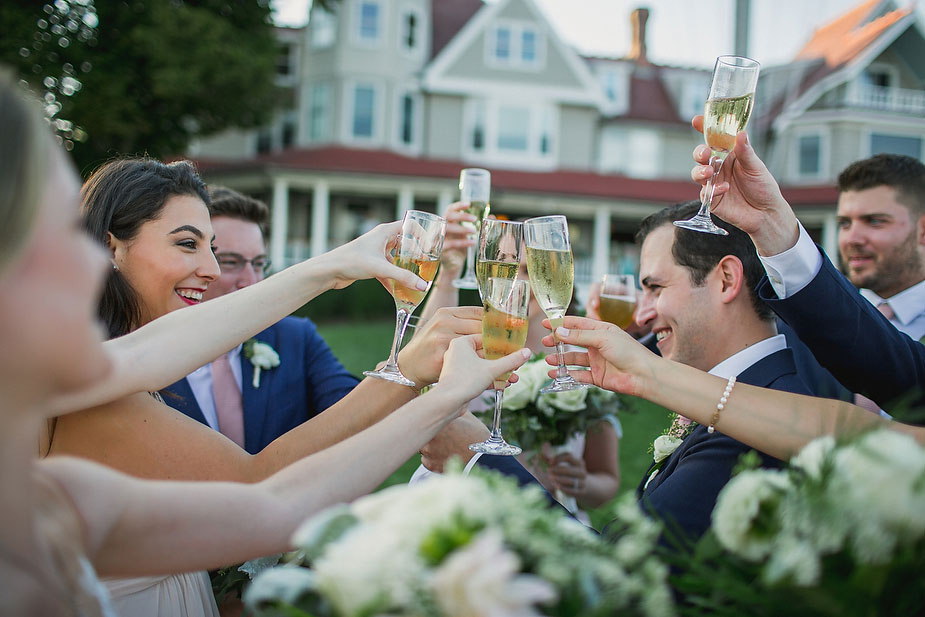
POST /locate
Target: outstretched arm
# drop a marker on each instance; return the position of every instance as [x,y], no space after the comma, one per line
[136,527]
[774,422]
[171,347]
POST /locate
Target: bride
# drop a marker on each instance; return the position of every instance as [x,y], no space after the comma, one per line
[63,517]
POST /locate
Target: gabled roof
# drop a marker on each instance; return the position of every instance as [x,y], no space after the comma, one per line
[649,100]
[843,38]
[448,18]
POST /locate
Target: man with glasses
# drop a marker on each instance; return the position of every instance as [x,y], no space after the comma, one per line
[223,394]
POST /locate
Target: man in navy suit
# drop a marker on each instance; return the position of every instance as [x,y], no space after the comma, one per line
[700,302]
[846,333]
[308,379]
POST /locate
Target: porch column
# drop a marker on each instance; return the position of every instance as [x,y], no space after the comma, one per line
[321,205]
[444,199]
[405,201]
[830,237]
[601,250]
[279,228]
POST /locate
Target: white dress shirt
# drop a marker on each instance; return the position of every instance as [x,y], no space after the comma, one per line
[738,362]
[200,382]
[792,270]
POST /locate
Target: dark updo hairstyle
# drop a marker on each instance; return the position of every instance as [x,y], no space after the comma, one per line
[118,198]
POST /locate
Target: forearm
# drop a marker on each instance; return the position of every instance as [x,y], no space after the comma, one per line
[774,422]
[170,527]
[600,488]
[779,231]
[149,358]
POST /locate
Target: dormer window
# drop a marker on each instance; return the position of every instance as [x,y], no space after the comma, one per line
[515,45]
[368,22]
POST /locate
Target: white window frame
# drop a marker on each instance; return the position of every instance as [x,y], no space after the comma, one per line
[824,154]
[416,120]
[420,39]
[515,60]
[880,67]
[869,132]
[325,135]
[532,157]
[350,87]
[356,28]
[324,32]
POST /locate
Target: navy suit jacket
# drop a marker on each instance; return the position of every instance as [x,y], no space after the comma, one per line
[685,490]
[852,339]
[308,380]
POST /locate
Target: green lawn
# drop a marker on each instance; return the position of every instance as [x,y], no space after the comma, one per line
[360,345]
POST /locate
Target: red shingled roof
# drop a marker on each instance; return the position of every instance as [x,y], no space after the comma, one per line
[448,17]
[649,100]
[337,159]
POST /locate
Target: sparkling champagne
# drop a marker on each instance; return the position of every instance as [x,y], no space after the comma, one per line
[724,118]
[486,269]
[551,277]
[502,333]
[406,297]
[478,209]
[618,310]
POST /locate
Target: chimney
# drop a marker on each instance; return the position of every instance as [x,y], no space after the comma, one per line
[742,14]
[638,18]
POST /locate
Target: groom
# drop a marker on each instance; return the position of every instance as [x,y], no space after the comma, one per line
[700,302]
[308,378]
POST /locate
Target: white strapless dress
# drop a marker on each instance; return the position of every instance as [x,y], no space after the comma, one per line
[178,595]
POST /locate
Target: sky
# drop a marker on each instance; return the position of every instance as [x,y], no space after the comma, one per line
[680,32]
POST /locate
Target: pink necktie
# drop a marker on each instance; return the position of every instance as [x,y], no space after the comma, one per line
[884,308]
[228,405]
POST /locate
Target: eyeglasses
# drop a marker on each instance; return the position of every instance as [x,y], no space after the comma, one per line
[232,262]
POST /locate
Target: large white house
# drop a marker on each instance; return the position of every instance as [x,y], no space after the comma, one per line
[388,99]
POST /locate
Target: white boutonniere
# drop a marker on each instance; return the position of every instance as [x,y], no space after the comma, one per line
[262,356]
[665,444]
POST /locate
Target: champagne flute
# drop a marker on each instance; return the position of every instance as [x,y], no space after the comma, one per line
[618,299]
[499,252]
[474,189]
[732,96]
[551,272]
[418,250]
[504,331]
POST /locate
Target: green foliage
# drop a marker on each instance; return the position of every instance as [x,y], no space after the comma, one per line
[153,73]
[362,300]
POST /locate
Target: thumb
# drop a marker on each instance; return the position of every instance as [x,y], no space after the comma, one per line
[402,276]
[510,362]
[745,154]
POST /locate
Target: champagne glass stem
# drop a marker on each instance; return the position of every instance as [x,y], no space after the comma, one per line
[401,322]
[496,421]
[562,370]
[716,162]
[470,263]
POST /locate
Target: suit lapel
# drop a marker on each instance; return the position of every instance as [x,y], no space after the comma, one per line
[255,400]
[180,396]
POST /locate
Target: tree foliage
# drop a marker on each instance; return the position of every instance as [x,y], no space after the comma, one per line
[142,76]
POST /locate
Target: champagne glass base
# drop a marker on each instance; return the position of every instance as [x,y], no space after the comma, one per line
[466,283]
[563,385]
[702,224]
[498,447]
[391,374]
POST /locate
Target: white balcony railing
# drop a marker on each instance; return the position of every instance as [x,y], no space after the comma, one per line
[895,100]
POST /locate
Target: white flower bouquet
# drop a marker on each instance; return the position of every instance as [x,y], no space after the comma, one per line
[841,532]
[463,546]
[532,419]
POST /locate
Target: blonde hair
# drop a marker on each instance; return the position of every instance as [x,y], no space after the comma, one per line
[24,158]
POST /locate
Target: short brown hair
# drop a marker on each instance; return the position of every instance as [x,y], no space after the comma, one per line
[904,174]
[235,205]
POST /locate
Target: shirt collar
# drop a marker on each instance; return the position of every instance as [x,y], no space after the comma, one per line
[907,304]
[233,356]
[738,362]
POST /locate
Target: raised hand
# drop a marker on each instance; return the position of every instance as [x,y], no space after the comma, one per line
[747,195]
[453,440]
[422,358]
[366,257]
[466,372]
[616,361]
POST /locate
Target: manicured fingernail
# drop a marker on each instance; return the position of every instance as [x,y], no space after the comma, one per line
[421,284]
[563,331]
[526,353]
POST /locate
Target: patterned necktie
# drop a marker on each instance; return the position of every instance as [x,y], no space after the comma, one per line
[884,308]
[228,405]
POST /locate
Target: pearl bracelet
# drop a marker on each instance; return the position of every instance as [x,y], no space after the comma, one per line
[721,404]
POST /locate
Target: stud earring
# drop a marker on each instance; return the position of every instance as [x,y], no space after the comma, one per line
[115,267]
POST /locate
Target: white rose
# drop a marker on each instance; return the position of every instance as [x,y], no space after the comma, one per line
[482,580]
[811,458]
[738,507]
[263,355]
[286,583]
[664,447]
[570,400]
[794,560]
[532,376]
